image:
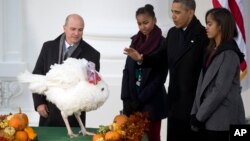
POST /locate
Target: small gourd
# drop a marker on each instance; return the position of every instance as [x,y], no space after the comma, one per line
[120,119]
[21,136]
[19,121]
[31,133]
[98,137]
[112,136]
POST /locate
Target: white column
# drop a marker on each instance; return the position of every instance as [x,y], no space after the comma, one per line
[11,38]
[1,30]
[11,30]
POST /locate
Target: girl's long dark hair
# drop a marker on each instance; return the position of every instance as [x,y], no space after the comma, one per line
[225,20]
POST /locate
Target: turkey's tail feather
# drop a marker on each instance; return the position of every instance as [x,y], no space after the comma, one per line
[37,83]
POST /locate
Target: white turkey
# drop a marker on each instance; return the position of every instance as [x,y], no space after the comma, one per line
[73,86]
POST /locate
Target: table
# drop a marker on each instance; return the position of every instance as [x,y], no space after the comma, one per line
[60,134]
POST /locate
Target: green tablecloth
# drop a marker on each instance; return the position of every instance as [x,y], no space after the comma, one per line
[60,134]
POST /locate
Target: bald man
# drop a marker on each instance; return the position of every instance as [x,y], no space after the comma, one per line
[68,44]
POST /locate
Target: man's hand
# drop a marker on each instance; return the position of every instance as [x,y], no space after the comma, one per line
[43,110]
[135,55]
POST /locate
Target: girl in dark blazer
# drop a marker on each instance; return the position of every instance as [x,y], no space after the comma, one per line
[218,102]
[143,89]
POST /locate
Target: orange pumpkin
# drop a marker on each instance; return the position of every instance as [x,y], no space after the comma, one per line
[120,119]
[21,136]
[19,121]
[112,136]
[98,137]
[115,127]
[31,133]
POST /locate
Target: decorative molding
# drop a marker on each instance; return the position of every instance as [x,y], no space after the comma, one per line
[8,90]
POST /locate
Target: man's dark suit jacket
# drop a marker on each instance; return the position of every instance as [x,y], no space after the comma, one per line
[49,55]
[183,52]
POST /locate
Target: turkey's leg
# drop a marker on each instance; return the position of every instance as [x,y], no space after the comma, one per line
[66,121]
[83,129]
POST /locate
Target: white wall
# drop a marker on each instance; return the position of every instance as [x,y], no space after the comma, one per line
[109,25]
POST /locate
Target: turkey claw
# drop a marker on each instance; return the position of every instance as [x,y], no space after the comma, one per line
[86,133]
[72,135]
